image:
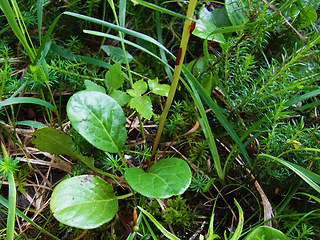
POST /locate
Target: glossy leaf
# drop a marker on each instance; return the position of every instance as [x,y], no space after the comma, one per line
[235,12]
[84,202]
[99,119]
[170,176]
[307,17]
[114,77]
[116,54]
[206,25]
[266,233]
[143,105]
[159,89]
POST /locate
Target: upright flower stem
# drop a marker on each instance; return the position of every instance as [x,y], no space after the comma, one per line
[187,30]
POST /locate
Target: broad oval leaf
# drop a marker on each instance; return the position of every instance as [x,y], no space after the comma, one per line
[235,12]
[99,119]
[84,202]
[266,233]
[170,176]
[206,25]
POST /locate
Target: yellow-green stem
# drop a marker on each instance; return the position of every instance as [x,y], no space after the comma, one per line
[177,71]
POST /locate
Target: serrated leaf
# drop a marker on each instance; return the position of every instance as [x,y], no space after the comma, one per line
[143,105]
[121,97]
[159,89]
[116,54]
[99,119]
[91,86]
[170,176]
[114,77]
[138,88]
[84,202]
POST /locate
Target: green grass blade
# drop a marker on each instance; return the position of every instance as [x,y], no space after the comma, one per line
[5,203]
[218,113]
[237,233]
[11,18]
[309,177]
[119,28]
[160,9]
[100,34]
[73,57]
[40,4]
[46,38]
[20,100]
[204,123]
[164,231]
[160,39]
[12,206]
[122,12]
[44,54]
[310,196]
[30,123]
[301,98]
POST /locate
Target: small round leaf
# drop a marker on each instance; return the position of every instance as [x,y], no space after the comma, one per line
[170,176]
[84,202]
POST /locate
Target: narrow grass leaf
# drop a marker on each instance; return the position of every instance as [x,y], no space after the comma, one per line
[33,124]
[301,98]
[15,27]
[309,177]
[158,225]
[119,28]
[160,9]
[40,4]
[100,34]
[5,203]
[217,111]
[237,233]
[73,57]
[21,100]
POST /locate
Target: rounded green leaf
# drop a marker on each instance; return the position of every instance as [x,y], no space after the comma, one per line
[84,202]
[99,119]
[266,233]
[206,25]
[170,176]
